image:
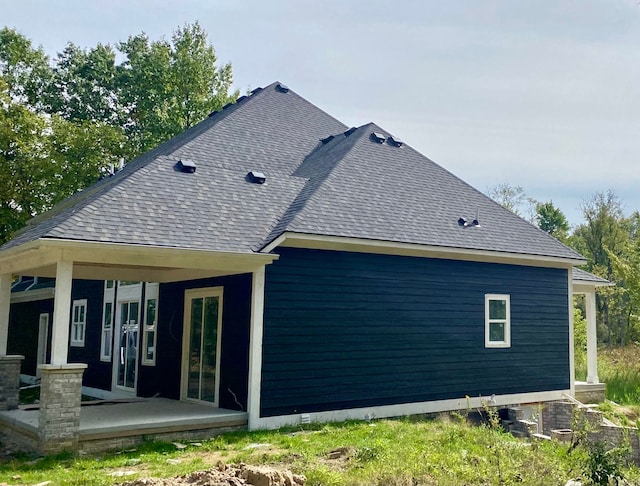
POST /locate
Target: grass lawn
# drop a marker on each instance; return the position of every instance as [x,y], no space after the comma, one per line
[446,451]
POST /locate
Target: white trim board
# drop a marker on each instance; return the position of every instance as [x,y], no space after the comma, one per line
[399,410]
[360,245]
[32,295]
[119,261]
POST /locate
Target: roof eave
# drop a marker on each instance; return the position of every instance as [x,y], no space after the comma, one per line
[362,245]
[119,261]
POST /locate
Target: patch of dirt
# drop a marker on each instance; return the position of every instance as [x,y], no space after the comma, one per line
[223,475]
[338,459]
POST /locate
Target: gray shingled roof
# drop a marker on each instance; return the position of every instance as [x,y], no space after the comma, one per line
[348,186]
[580,275]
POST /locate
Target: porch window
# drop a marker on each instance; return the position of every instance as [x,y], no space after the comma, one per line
[78,322]
[497,330]
[149,332]
[107,332]
[106,339]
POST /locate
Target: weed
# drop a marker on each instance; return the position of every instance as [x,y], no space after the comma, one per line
[605,464]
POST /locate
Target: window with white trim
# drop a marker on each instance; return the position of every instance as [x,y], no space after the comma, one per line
[497,321]
[78,322]
[107,332]
[149,331]
[106,339]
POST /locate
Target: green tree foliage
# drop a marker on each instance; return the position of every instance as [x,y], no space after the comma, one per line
[626,267]
[552,220]
[169,86]
[65,121]
[24,165]
[607,232]
[515,199]
[24,69]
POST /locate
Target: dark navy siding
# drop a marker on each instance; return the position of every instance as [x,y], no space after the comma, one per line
[346,330]
[98,373]
[164,378]
[24,321]
[23,333]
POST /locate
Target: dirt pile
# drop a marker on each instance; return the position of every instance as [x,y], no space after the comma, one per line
[223,475]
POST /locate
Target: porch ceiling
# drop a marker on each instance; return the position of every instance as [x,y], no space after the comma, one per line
[113,261]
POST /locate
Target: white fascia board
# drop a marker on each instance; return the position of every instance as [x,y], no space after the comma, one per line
[46,252]
[32,295]
[343,243]
[418,408]
[581,286]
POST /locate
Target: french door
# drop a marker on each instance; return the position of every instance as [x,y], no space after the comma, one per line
[201,345]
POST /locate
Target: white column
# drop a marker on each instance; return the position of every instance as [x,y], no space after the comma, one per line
[572,352]
[61,309]
[592,337]
[255,349]
[5,302]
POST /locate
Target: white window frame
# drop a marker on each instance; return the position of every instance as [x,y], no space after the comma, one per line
[106,333]
[506,343]
[80,324]
[151,293]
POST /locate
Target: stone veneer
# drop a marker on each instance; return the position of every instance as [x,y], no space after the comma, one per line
[10,381]
[60,400]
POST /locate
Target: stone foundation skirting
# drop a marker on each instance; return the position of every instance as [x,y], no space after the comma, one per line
[10,381]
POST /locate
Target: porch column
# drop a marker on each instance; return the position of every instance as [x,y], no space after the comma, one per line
[9,365]
[61,311]
[5,302]
[60,403]
[592,337]
[255,348]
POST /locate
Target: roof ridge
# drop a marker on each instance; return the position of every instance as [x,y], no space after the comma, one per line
[330,145]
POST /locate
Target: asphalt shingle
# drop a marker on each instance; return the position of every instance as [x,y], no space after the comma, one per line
[350,185]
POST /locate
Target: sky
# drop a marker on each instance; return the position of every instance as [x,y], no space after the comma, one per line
[539,94]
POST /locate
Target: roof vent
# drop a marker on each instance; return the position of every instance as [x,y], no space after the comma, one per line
[350,131]
[256,177]
[327,140]
[466,224]
[395,141]
[186,166]
[283,88]
[378,137]
[242,98]
[212,113]
[257,90]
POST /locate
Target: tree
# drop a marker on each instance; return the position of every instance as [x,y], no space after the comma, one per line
[84,86]
[515,199]
[552,220]
[23,163]
[24,69]
[606,232]
[63,121]
[169,87]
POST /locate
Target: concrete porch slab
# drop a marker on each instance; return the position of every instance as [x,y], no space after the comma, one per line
[114,425]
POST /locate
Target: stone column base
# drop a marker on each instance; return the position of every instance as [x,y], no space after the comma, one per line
[60,397]
[10,381]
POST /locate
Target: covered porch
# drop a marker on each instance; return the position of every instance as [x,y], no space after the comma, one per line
[128,423]
[585,283]
[61,423]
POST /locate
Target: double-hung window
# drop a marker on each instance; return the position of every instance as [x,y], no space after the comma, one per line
[78,322]
[497,322]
